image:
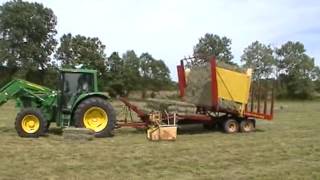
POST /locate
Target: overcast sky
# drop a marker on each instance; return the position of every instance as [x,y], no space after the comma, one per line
[168,29]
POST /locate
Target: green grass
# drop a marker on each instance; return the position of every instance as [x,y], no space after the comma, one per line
[286,148]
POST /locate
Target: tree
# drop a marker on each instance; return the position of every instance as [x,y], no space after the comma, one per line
[155,74]
[115,83]
[146,71]
[27,33]
[316,78]
[83,52]
[123,73]
[114,64]
[214,45]
[296,69]
[161,74]
[132,73]
[291,57]
[260,58]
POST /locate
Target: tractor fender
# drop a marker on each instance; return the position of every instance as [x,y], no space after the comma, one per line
[83,97]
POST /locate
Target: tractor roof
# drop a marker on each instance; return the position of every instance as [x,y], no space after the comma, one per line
[79,70]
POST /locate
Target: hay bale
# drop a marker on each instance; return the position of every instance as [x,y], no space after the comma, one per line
[169,102]
[231,67]
[169,105]
[198,90]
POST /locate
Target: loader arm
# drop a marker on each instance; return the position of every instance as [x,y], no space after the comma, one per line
[20,88]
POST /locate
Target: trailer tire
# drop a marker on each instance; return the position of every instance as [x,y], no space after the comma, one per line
[231,126]
[30,123]
[92,109]
[246,125]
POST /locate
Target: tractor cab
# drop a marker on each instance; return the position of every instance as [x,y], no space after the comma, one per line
[73,85]
[75,82]
[80,104]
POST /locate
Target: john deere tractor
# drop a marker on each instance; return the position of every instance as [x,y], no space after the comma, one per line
[76,102]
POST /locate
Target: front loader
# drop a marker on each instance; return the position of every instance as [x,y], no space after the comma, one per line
[76,102]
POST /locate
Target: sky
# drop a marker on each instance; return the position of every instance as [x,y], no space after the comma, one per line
[169,29]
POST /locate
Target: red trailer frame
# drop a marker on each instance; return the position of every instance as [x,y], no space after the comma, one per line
[250,110]
[210,115]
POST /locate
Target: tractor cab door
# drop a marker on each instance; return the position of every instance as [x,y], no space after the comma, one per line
[73,84]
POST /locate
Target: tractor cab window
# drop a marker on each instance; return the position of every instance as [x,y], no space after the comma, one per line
[75,84]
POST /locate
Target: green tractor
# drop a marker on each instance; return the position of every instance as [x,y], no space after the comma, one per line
[76,102]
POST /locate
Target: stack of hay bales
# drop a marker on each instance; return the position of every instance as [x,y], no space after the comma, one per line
[198,90]
[170,106]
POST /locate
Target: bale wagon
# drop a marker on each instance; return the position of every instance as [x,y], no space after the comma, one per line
[254,101]
[249,99]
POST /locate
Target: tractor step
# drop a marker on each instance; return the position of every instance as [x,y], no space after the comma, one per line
[66,120]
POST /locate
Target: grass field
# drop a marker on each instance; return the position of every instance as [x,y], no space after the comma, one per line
[286,148]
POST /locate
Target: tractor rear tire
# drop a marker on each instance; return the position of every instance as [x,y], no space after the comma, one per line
[246,125]
[96,114]
[231,126]
[30,123]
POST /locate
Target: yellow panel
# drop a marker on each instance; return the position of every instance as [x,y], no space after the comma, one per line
[233,86]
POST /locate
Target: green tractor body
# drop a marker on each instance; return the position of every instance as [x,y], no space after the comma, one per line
[76,102]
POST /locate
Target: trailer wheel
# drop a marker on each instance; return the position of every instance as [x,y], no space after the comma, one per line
[96,114]
[246,125]
[231,126]
[30,123]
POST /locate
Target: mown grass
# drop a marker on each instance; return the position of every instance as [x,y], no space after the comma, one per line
[286,148]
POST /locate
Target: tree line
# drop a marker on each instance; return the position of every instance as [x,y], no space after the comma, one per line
[29,50]
[294,72]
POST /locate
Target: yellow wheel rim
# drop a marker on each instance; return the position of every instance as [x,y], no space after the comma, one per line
[30,124]
[95,119]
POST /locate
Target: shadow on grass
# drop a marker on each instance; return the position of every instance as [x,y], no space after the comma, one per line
[196,129]
[7,129]
[139,131]
[55,131]
[128,130]
[199,129]
[259,130]
[182,129]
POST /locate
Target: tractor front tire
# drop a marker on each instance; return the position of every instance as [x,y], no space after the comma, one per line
[30,123]
[96,114]
[231,126]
